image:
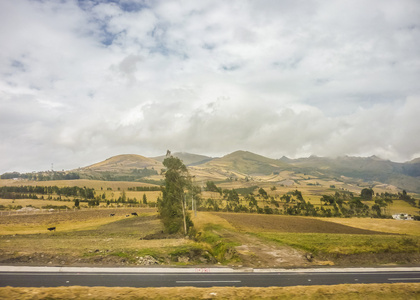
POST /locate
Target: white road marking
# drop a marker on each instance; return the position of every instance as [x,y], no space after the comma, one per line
[208,281]
[403,279]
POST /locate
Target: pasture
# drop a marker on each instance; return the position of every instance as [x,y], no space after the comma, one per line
[85,237]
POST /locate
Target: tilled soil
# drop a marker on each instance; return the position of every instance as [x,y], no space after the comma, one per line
[280,223]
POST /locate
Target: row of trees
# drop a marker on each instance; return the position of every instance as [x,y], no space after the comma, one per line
[341,204]
[20,192]
[42,176]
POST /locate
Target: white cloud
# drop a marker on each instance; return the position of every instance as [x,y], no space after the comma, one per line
[83,81]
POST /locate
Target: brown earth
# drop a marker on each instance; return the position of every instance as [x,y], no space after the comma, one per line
[280,223]
[257,253]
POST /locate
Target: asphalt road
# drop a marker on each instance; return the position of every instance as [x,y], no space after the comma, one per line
[207,279]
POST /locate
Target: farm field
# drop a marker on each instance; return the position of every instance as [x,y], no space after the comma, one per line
[290,224]
[384,225]
[329,243]
[95,184]
[91,236]
[84,237]
[34,203]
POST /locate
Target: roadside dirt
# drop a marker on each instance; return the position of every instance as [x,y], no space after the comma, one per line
[257,253]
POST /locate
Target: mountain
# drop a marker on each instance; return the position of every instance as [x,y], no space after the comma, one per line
[187,158]
[127,167]
[369,169]
[247,163]
[124,161]
[243,164]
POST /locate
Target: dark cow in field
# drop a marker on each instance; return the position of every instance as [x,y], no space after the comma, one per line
[51,229]
[111,215]
[127,216]
[134,214]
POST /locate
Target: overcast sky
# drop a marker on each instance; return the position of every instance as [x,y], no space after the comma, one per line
[81,81]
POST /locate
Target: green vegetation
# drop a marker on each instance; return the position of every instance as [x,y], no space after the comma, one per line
[346,244]
[172,208]
[219,247]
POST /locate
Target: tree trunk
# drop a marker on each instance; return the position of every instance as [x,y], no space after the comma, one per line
[183,214]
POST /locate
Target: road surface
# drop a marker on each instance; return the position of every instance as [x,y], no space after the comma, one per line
[199,277]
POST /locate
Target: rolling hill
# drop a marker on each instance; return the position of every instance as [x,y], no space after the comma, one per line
[368,169]
[244,166]
[187,158]
[246,163]
[128,167]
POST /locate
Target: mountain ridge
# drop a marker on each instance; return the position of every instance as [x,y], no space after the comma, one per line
[244,165]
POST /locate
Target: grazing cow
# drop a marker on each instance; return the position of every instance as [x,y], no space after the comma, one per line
[134,214]
[51,228]
[111,215]
[127,216]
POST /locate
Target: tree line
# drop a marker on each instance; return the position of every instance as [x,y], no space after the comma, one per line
[20,192]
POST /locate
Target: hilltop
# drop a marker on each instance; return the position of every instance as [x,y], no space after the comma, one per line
[128,167]
[187,158]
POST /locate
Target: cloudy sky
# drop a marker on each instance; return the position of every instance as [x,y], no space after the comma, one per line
[81,81]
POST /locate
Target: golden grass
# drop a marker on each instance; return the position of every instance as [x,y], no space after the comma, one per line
[345,291]
[64,221]
[89,224]
[400,206]
[78,245]
[34,202]
[95,184]
[384,225]
[204,218]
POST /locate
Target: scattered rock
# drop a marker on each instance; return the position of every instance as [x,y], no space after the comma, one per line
[183,259]
[147,260]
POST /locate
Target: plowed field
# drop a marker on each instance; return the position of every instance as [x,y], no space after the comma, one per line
[292,224]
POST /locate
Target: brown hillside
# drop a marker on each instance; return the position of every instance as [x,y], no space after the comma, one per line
[125,161]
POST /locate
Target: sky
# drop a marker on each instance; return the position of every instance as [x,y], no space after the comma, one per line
[81,81]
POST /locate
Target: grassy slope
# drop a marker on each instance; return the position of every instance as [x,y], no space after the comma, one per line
[246,163]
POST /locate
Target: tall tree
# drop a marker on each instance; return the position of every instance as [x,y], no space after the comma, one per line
[172,206]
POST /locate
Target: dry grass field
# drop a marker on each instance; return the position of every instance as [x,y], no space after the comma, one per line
[95,184]
[384,225]
[34,203]
[406,291]
[84,237]
[400,206]
[64,221]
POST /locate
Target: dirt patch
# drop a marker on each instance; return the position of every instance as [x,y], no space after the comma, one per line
[296,224]
[258,253]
